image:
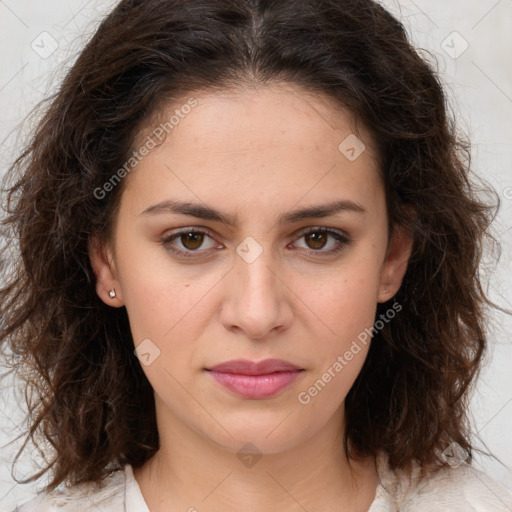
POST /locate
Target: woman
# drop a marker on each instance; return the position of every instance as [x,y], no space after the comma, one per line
[248,268]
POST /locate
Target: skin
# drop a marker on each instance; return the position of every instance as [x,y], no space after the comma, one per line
[254,153]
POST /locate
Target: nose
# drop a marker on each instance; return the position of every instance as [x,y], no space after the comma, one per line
[257,300]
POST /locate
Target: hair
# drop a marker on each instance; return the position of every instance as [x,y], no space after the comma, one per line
[89,402]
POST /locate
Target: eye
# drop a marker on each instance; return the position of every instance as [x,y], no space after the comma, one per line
[324,240]
[188,241]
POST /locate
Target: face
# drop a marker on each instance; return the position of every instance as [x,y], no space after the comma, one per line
[255,231]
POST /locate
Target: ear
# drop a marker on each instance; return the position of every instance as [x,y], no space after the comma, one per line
[102,262]
[395,264]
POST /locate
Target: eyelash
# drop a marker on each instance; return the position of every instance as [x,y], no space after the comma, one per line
[342,240]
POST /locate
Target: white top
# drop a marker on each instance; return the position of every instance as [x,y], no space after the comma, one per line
[460,489]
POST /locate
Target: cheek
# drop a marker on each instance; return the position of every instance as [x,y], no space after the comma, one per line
[159,296]
[350,315]
[166,311]
[346,315]
[344,302]
[345,306]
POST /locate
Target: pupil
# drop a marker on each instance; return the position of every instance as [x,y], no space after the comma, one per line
[192,240]
[318,240]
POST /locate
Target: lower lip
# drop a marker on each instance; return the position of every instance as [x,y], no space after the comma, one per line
[255,386]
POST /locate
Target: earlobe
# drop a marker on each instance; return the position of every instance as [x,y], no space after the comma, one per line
[102,262]
[395,264]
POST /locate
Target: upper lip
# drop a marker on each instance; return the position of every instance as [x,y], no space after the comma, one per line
[246,367]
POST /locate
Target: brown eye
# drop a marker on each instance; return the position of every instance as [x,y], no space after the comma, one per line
[189,243]
[323,241]
[316,240]
[192,240]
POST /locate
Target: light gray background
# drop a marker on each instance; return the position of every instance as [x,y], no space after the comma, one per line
[38,39]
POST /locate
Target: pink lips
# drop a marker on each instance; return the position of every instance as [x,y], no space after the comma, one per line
[255,380]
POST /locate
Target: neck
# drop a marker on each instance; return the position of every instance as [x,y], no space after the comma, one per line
[190,472]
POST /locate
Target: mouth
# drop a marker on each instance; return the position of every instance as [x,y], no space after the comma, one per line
[255,380]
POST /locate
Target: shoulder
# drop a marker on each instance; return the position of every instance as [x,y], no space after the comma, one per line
[454,489]
[107,495]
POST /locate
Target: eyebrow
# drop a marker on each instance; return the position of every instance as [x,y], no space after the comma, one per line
[202,211]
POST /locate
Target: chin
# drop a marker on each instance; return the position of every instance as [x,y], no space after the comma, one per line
[268,436]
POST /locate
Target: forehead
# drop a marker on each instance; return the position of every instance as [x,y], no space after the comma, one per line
[278,140]
[301,115]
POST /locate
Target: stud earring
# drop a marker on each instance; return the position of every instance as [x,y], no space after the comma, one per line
[112,293]
[383,294]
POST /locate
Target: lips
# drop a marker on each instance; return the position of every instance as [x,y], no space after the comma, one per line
[255,380]
[246,367]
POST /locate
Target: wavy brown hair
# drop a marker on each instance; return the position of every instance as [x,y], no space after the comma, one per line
[89,403]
